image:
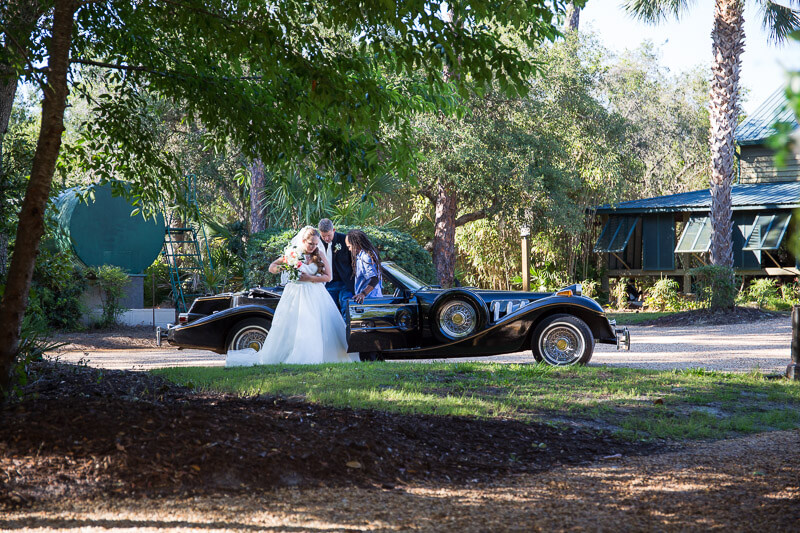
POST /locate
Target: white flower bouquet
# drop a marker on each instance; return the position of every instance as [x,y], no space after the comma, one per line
[292,261]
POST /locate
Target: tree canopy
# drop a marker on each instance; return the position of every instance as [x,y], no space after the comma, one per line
[288,82]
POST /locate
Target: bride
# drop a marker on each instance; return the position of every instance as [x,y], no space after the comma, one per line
[307,328]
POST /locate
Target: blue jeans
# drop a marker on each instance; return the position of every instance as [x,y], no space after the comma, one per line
[340,294]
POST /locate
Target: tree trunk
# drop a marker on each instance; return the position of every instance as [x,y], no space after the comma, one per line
[19,18]
[31,217]
[728,38]
[446,207]
[573,18]
[8,89]
[444,236]
[258,220]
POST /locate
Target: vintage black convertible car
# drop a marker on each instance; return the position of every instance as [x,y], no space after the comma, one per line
[416,320]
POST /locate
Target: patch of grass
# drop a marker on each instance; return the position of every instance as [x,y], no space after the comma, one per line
[636,404]
[630,319]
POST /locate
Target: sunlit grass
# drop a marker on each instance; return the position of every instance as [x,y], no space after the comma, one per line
[636,404]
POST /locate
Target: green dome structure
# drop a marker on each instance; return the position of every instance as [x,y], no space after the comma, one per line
[103,232]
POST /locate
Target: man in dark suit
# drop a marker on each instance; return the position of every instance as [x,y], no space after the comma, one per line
[341,286]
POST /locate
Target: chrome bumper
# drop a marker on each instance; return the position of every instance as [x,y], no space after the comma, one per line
[162,334]
[623,338]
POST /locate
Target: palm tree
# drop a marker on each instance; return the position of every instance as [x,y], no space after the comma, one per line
[728,43]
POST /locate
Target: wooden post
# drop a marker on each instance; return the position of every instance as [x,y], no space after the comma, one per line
[525,233]
[793,370]
[687,279]
[687,258]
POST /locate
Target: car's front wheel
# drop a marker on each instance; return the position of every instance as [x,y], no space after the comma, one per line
[456,317]
[562,340]
[248,333]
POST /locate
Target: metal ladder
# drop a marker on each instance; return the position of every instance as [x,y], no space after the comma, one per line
[182,252]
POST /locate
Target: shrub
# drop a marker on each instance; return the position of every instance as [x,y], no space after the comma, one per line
[33,344]
[715,286]
[589,288]
[111,280]
[393,245]
[664,295]
[790,292]
[618,298]
[55,297]
[228,268]
[763,289]
[160,271]
[547,277]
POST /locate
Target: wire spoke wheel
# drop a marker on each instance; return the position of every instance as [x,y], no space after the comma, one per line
[561,345]
[457,319]
[563,340]
[251,338]
[250,333]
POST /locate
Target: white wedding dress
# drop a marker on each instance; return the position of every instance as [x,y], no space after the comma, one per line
[307,329]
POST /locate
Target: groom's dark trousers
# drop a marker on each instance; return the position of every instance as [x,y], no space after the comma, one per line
[340,294]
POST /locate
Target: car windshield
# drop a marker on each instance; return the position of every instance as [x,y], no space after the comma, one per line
[403,277]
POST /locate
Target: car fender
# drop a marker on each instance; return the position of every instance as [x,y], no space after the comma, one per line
[584,308]
[482,310]
[212,330]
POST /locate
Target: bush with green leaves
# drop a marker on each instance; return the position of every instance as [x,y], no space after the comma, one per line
[618,297]
[158,272]
[33,344]
[58,285]
[112,281]
[715,286]
[228,271]
[790,292]
[663,296]
[393,245]
[547,277]
[589,288]
[762,290]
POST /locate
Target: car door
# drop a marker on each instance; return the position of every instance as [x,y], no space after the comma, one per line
[385,323]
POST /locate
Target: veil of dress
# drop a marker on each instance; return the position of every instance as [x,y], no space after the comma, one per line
[307,327]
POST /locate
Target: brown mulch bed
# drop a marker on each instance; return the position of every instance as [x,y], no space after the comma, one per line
[80,431]
[714,317]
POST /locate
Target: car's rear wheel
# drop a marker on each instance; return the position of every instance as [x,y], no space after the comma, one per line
[562,340]
[248,333]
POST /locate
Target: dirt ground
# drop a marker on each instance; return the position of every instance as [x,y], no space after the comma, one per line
[94,449]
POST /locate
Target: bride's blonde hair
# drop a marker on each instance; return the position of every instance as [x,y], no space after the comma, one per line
[316,256]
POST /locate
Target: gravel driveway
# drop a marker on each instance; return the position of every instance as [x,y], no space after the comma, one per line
[762,346]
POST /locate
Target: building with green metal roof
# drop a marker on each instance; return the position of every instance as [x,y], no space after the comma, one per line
[668,235]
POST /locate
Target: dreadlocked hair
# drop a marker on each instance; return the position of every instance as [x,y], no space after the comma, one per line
[360,242]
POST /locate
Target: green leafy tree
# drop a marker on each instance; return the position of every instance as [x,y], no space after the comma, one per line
[786,139]
[18,146]
[728,43]
[540,160]
[668,122]
[268,78]
[484,164]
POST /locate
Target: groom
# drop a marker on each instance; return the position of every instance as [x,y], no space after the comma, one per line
[341,286]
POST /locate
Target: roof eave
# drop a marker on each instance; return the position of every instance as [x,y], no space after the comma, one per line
[690,209]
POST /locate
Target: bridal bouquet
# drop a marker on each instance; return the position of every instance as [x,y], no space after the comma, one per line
[292,261]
